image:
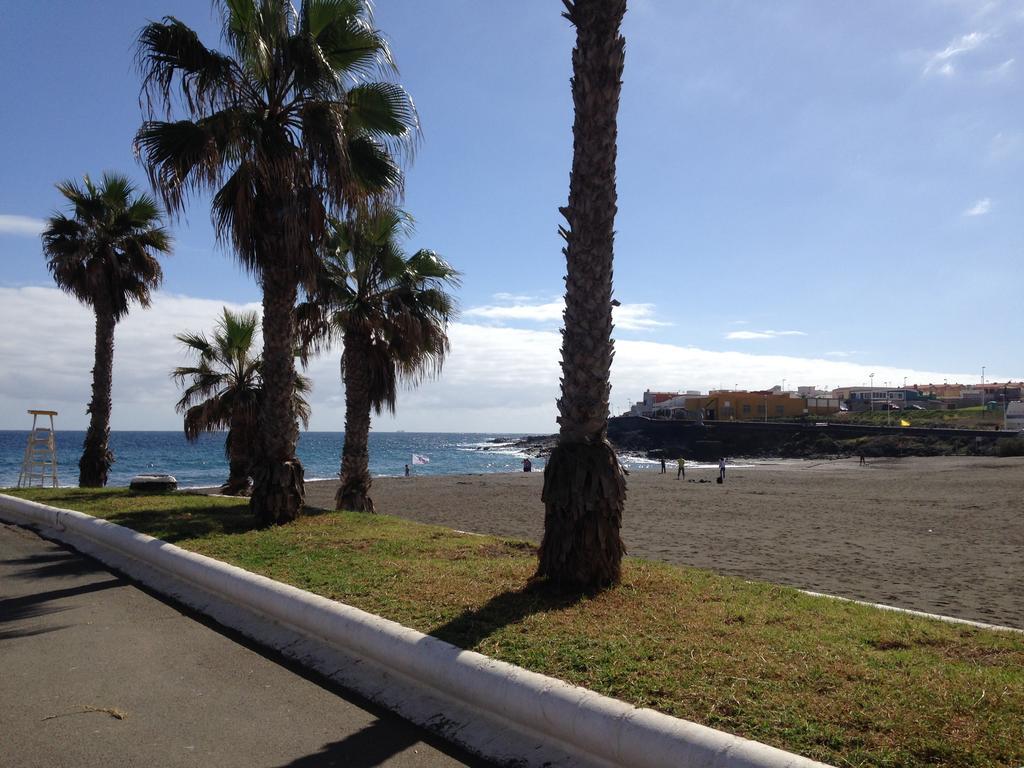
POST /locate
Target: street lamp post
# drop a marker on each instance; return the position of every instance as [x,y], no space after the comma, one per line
[871,394]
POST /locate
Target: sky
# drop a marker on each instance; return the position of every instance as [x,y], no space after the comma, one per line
[809,192]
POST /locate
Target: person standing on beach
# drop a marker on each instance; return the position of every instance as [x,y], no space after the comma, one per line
[721,470]
[663,465]
[527,465]
[680,468]
[406,470]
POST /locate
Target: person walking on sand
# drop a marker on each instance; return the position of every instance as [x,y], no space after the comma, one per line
[680,468]
[862,462]
[406,470]
[721,470]
[663,465]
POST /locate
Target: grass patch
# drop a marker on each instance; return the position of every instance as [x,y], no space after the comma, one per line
[972,417]
[837,682]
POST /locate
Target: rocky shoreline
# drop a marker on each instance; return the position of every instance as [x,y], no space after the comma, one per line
[706,443]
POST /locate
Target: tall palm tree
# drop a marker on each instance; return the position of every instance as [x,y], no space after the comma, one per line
[224,391]
[285,130]
[105,255]
[584,486]
[391,312]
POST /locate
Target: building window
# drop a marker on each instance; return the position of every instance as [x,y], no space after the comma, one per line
[746,409]
[780,410]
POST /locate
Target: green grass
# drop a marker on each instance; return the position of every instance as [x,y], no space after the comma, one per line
[838,682]
[973,417]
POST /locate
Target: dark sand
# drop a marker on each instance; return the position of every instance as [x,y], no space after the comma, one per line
[943,535]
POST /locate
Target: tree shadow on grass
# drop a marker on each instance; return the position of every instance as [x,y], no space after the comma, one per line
[192,519]
[195,522]
[472,627]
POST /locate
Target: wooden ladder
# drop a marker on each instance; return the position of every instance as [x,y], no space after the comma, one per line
[40,461]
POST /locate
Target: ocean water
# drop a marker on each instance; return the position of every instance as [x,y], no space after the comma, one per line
[203,463]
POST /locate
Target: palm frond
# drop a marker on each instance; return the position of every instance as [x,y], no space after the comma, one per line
[398,305]
[386,113]
[191,155]
[227,377]
[105,256]
[168,51]
[376,177]
[208,416]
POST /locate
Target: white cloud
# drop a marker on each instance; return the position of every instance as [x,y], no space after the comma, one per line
[1000,71]
[538,313]
[942,62]
[496,379]
[515,298]
[750,335]
[54,362]
[628,317]
[636,317]
[980,208]
[1005,146]
[25,226]
[842,353]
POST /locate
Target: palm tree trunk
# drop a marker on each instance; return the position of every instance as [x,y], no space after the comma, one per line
[354,491]
[96,459]
[240,453]
[278,492]
[584,486]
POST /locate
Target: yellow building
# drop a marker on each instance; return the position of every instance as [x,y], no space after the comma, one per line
[751,406]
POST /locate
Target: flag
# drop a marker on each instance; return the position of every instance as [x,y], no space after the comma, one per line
[417,459]
[904,423]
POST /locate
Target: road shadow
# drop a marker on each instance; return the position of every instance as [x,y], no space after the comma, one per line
[14,610]
[372,746]
[14,634]
[51,565]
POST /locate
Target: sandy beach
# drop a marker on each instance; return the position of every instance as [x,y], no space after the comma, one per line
[943,535]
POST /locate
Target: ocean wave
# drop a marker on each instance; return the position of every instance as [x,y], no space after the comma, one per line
[511,452]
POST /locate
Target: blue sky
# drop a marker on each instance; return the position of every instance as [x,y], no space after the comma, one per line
[807,190]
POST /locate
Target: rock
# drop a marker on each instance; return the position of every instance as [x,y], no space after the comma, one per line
[154,483]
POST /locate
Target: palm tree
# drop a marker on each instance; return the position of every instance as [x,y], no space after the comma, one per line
[225,389]
[391,312]
[285,131]
[584,486]
[105,256]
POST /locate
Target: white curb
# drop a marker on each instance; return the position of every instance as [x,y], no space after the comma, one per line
[912,612]
[493,708]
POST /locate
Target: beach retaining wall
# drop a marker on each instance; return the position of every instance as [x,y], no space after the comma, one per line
[503,712]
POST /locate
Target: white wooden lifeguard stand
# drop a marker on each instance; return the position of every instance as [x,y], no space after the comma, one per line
[40,454]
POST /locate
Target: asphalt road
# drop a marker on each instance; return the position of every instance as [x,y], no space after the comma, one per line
[96,672]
